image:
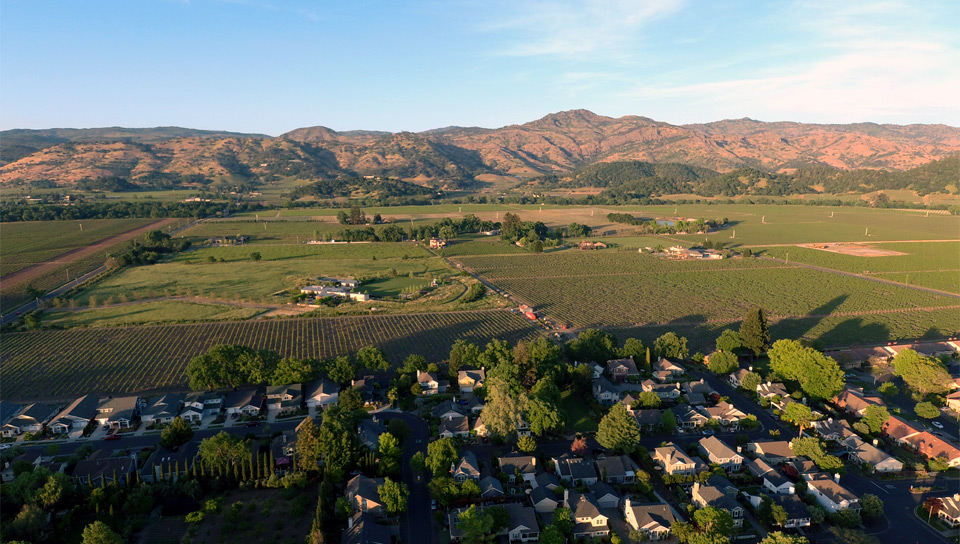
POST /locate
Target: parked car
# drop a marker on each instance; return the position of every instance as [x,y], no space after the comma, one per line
[708,432]
[115,436]
[679,429]
[433,504]
[937,424]
[253,424]
[5,446]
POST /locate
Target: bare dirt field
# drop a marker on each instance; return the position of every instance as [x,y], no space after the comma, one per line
[854,250]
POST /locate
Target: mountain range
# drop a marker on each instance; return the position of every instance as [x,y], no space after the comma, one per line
[556,144]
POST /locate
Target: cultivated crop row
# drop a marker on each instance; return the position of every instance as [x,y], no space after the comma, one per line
[62,364]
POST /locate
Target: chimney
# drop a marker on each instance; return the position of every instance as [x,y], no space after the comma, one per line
[739,449]
[836,478]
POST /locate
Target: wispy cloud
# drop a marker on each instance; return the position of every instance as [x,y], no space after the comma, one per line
[571,29]
[863,61]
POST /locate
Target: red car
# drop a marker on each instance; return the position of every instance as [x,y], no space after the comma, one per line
[253,424]
[112,437]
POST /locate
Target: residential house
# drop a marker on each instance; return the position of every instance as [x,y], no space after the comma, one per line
[653,520]
[32,456]
[8,410]
[688,418]
[165,462]
[519,467]
[455,426]
[370,431]
[285,399]
[698,387]
[95,471]
[246,402]
[474,405]
[468,380]
[589,522]
[622,369]
[772,451]
[77,415]
[208,402]
[429,384]
[437,243]
[30,420]
[720,495]
[674,460]
[832,430]
[716,451]
[321,393]
[523,525]
[949,511]
[932,446]
[854,401]
[364,496]
[648,419]
[191,413]
[665,365]
[479,428]
[724,413]
[490,488]
[797,513]
[467,469]
[628,401]
[604,391]
[544,500]
[163,409]
[771,389]
[617,469]
[606,496]
[953,401]
[575,470]
[798,469]
[548,480]
[736,377]
[369,389]
[830,494]
[663,390]
[362,528]
[862,452]
[772,480]
[447,409]
[117,412]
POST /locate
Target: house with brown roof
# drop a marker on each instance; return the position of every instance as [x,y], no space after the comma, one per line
[771,389]
[830,494]
[771,451]
[832,430]
[653,520]
[854,401]
[687,417]
[622,369]
[429,384]
[898,430]
[674,460]
[665,365]
[724,413]
[364,495]
[716,451]
[663,390]
[736,377]
[455,426]
[953,401]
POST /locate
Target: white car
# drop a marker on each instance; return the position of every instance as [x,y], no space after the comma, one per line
[937,424]
[5,446]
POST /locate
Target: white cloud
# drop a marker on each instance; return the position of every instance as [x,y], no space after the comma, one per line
[571,29]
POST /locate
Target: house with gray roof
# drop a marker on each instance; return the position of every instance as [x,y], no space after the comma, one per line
[77,415]
[286,399]
[772,451]
[95,471]
[604,391]
[321,393]
[771,389]
[364,496]
[687,417]
[772,480]
[716,451]
[490,487]
[576,470]
[606,496]
[467,469]
[370,431]
[589,521]
[548,480]
[832,430]
[830,494]
[654,520]
[863,452]
[30,419]
[362,528]
[118,412]
[247,402]
[663,390]
[648,419]
[674,460]
[448,408]
[451,427]
[617,469]
[544,500]
[162,409]
[622,369]
[719,497]
[524,465]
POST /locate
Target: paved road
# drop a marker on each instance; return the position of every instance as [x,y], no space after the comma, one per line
[416,525]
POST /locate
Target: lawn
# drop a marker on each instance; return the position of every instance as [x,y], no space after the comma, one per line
[578,415]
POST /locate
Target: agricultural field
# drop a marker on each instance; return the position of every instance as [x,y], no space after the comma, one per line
[479,245]
[609,288]
[929,264]
[58,365]
[77,256]
[283,231]
[158,311]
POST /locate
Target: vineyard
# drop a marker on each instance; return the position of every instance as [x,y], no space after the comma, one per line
[631,289]
[929,264]
[64,364]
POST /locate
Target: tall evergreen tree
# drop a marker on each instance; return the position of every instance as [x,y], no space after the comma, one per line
[754,332]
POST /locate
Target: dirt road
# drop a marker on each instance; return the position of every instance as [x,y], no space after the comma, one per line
[30,273]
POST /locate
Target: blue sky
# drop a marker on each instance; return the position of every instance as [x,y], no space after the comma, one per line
[271,66]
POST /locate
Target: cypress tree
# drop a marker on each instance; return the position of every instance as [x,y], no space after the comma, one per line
[273,464]
[115,480]
[236,473]
[243,471]
[203,470]
[177,468]
[194,470]
[754,331]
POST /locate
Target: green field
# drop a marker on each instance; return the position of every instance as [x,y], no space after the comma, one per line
[479,245]
[928,264]
[31,242]
[578,415]
[161,311]
[595,289]
[60,365]
[283,268]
